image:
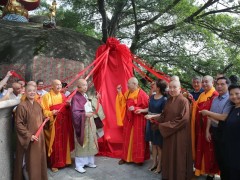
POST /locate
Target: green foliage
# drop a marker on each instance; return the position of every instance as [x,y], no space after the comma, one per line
[71,19]
[179,37]
[43,8]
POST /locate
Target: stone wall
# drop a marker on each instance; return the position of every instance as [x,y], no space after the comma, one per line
[45,68]
[6,139]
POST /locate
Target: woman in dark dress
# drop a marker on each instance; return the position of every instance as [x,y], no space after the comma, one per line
[231,136]
[156,105]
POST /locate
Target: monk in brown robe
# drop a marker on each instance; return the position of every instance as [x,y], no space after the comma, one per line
[31,153]
[174,126]
[37,97]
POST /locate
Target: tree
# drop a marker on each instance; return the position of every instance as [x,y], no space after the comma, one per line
[182,37]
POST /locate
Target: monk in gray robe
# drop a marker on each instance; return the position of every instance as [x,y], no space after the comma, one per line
[85,129]
[31,154]
[174,126]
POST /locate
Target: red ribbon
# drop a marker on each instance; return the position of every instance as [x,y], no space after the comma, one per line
[17,75]
[41,127]
[142,73]
[138,61]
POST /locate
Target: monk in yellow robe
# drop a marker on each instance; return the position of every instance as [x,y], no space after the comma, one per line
[59,135]
[203,151]
[129,108]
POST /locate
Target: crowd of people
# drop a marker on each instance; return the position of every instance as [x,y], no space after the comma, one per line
[188,133]
[70,126]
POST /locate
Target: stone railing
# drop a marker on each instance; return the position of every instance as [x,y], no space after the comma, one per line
[6,139]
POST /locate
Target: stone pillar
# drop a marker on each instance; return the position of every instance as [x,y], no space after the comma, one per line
[6,139]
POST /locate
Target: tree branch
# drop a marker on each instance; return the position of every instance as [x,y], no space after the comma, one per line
[219,11]
[116,17]
[136,33]
[105,20]
[160,14]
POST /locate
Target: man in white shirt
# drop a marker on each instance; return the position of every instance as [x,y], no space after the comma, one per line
[17,89]
[40,90]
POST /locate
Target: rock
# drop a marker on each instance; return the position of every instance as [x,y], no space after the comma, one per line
[22,43]
[38,19]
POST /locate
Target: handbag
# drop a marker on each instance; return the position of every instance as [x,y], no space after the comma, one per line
[98,122]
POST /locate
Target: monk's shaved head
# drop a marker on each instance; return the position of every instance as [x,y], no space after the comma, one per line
[33,83]
[207,83]
[16,85]
[175,78]
[30,91]
[82,86]
[81,82]
[56,86]
[17,88]
[56,81]
[30,86]
[132,84]
[133,80]
[176,83]
[174,88]
[209,78]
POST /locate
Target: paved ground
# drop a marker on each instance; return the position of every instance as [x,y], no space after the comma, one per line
[108,169]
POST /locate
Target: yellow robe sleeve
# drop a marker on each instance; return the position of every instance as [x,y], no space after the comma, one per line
[120,108]
[46,106]
[194,110]
[50,132]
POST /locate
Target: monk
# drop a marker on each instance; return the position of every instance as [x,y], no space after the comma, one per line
[37,97]
[85,129]
[59,135]
[128,109]
[175,128]
[203,151]
[30,156]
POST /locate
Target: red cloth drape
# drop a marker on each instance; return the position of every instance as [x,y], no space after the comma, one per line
[115,69]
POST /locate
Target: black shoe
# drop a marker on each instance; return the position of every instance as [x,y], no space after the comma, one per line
[157,172]
[210,177]
[153,168]
[121,162]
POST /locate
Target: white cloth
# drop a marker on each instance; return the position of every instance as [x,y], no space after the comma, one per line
[13,96]
[67,93]
[82,161]
[100,132]
[88,106]
[41,92]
